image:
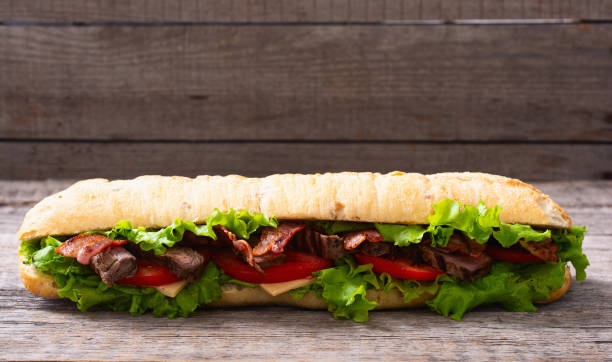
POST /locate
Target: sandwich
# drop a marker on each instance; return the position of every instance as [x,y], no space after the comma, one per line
[346,242]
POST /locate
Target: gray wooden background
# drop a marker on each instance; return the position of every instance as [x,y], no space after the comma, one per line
[121,88]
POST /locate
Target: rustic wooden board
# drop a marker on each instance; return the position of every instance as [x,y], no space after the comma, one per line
[579,326]
[440,83]
[25,193]
[268,11]
[41,160]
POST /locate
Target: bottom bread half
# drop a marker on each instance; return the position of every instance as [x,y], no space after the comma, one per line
[237,296]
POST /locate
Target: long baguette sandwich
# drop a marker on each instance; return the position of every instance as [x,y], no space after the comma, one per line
[346,242]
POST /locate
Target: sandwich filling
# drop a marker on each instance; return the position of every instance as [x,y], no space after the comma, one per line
[465,257]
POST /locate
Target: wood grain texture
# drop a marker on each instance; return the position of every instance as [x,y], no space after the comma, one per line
[374,83]
[41,160]
[17,193]
[269,11]
[577,327]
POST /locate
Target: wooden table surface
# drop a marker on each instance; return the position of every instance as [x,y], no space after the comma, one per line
[579,326]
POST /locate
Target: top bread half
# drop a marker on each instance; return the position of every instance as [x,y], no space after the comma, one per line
[396,197]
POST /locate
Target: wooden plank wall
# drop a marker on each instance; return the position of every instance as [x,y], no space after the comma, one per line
[315,11]
[121,88]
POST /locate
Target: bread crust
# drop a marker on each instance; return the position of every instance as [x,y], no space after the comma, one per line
[236,296]
[396,197]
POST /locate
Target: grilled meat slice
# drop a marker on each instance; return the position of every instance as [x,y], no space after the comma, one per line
[185,262]
[325,246]
[378,249]
[464,267]
[113,264]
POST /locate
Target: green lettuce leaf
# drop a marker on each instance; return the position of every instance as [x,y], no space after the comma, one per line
[440,235]
[385,283]
[401,235]
[510,234]
[344,288]
[46,260]
[242,223]
[28,248]
[513,285]
[475,222]
[413,289]
[570,248]
[478,223]
[88,291]
[299,293]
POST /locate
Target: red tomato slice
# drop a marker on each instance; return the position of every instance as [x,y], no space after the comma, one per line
[398,268]
[297,266]
[512,255]
[150,275]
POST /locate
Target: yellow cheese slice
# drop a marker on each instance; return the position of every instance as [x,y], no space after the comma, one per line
[275,289]
[172,289]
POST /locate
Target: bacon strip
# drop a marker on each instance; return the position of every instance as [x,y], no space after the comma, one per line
[243,247]
[274,240]
[545,249]
[355,238]
[83,247]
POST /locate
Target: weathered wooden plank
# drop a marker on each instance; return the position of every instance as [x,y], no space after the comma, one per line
[596,219]
[307,83]
[17,193]
[12,217]
[578,194]
[291,10]
[486,334]
[41,160]
[238,334]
